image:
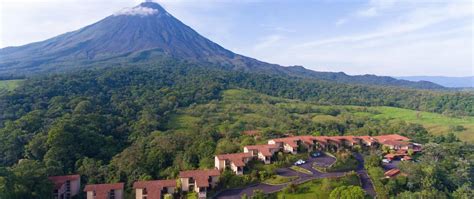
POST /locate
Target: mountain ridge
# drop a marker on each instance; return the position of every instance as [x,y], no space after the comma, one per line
[148,32]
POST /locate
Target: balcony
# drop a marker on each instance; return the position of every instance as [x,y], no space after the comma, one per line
[202,194]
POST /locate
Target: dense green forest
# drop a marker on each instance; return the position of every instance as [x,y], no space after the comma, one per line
[130,123]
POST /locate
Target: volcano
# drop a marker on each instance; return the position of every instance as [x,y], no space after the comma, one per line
[147,33]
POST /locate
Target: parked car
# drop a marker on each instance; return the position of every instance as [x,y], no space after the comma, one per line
[300,162]
[315,154]
[386,160]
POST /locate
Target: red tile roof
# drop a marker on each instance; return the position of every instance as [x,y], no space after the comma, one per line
[236,158]
[393,155]
[106,187]
[328,138]
[390,156]
[154,187]
[264,149]
[58,181]
[307,139]
[321,140]
[392,172]
[393,137]
[291,141]
[348,138]
[102,190]
[200,176]
[366,139]
[407,158]
[396,143]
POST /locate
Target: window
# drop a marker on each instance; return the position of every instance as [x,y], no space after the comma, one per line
[68,189]
[112,194]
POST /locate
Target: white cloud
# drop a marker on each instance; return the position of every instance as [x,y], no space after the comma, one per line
[425,39]
[341,22]
[375,7]
[370,12]
[267,42]
[137,11]
[410,22]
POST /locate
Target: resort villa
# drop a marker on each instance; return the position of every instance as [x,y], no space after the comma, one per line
[393,173]
[262,152]
[154,189]
[199,181]
[104,191]
[65,187]
[234,161]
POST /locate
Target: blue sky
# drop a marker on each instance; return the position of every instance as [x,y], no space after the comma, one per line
[384,37]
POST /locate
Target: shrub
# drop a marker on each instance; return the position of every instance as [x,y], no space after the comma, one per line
[347,192]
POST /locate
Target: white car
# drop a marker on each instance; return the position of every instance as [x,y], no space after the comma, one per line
[300,162]
[386,161]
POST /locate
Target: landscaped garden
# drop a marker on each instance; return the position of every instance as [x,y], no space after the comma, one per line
[277,179]
[345,161]
[301,170]
[319,188]
[256,171]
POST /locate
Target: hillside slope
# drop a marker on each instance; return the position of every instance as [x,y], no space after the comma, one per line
[147,33]
[248,109]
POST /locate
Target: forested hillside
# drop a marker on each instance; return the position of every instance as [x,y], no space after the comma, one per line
[121,124]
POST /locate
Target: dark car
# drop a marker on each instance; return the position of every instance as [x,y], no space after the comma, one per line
[315,154]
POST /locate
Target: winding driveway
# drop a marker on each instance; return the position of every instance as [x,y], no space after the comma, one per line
[365,180]
[302,177]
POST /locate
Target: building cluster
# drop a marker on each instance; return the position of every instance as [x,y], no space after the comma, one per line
[200,181]
[237,161]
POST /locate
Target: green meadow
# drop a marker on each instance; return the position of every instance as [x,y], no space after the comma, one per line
[435,123]
[244,109]
[9,84]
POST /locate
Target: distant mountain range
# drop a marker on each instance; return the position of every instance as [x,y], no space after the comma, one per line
[453,82]
[146,34]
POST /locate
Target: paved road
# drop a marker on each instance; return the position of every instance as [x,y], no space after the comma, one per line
[364,176]
[302,177]
[391,165]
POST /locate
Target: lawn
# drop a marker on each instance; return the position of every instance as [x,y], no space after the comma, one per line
[320,188]
[277,180]
[301,170]
[9,84]
[435,123]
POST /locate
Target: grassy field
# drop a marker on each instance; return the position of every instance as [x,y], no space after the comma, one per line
[9,84]
[243,109]
[435,123]
[319,188]
[301,170]
[277,180]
